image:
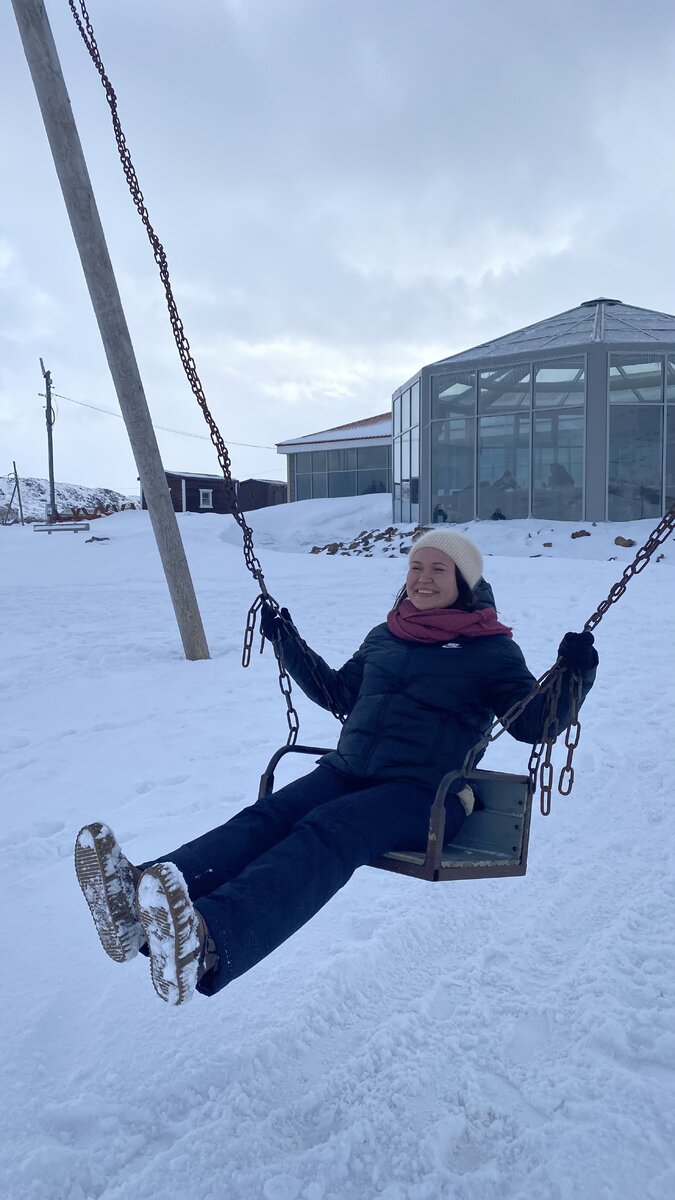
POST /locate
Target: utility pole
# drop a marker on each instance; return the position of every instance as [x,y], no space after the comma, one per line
[71,168]
[47,376]
[18,492]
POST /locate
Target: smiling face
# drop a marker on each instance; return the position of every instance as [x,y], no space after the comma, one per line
[431,581]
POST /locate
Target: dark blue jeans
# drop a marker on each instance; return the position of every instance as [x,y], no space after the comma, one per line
[259,878]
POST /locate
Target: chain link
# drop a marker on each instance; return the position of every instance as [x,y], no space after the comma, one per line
[540,774]
[85,27]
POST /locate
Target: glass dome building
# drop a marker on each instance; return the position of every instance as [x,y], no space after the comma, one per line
[569,419]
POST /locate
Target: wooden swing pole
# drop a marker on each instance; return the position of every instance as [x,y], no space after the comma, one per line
[71,168]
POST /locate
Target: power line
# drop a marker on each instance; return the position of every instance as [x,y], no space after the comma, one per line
[165,428]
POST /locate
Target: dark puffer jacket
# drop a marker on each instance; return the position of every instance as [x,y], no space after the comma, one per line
[414,710]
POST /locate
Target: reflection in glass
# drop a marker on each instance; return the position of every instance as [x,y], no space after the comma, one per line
[415,466]
[504,388]
[397,416]
[372,456]
[397,460]
[370,482]
[670,382]
[342,483]
[559,384]
[557,466]
[635,378]
[405,477]
[342,460]
[303,487]
[405,500]
[670,456]
[452,469]
[397,502]
[415,403]
[635,462]
[319,485]
[405,410]
[405,457]
[303,462]
[454,393]
[504,466]
[319,460]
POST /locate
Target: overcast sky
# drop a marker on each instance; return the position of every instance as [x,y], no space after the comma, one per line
[346,190]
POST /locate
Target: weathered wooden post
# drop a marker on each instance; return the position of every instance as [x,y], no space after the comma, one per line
[71,168]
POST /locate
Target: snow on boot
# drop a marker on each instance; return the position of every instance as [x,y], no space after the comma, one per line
[173,930]
[108,882]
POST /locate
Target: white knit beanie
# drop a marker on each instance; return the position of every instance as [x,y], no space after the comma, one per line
[466,557]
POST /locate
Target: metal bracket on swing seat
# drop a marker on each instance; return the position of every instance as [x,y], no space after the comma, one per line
[492,843]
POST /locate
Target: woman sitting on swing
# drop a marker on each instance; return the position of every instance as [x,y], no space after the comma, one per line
[418,694]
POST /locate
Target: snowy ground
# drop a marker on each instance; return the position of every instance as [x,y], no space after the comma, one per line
[501,1040]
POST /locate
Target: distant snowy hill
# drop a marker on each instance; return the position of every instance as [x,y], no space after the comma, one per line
[35,495]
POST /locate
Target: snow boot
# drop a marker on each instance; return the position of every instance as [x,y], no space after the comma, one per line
[108,881]
[181,950]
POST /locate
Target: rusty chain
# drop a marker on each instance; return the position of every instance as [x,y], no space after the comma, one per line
[85,27]
[540,772]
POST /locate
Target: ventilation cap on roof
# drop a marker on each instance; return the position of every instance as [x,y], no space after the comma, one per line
[599,300]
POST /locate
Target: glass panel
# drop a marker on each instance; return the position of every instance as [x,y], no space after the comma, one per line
[303,462]
[635,463]
[342,460]
[319,460]
[635,378]
[505,388]
[670,381]
[414,512]
[454,393]
[397,460]
[415,465]
[405,410]
[558,466]
[397,416]
[560,384]
[405,457]
[503,466]
[670,456]
[319,485]
[342,483]
[303,487]
[405,477]
[373,481]
[397,502]
[372,456]
[405,500]
[452,469]
[415,403]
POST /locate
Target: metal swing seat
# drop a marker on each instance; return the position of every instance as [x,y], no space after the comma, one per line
[492,843]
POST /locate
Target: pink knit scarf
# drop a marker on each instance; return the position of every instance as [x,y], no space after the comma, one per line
[443,624]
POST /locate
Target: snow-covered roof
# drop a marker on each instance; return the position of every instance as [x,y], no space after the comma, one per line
[257,479]
[196,475]
[369,428]
[595,321]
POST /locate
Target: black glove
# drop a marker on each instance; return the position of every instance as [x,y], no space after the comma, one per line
[578,652]
[273,623]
